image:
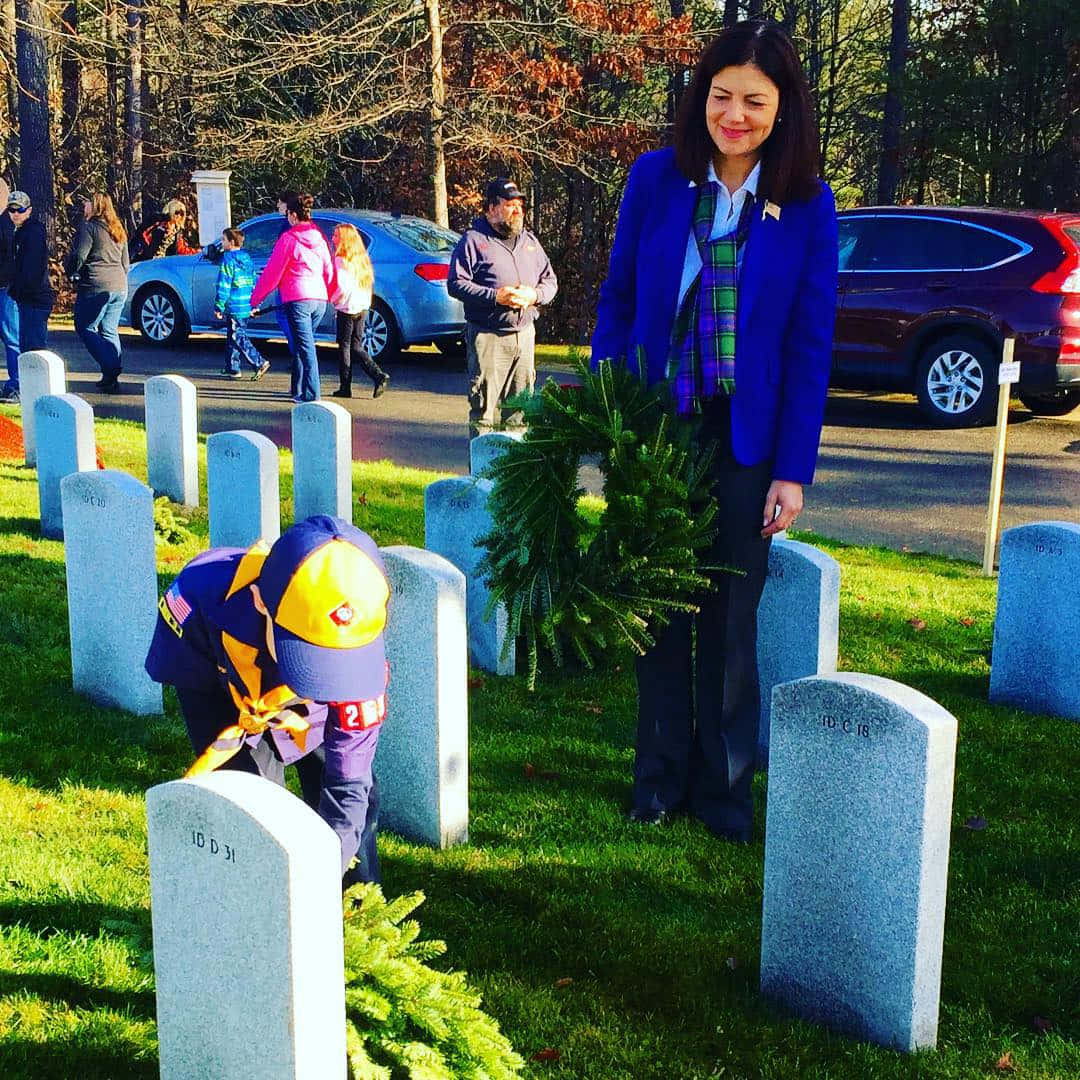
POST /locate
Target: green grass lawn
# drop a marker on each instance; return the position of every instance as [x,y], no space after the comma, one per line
[632,953]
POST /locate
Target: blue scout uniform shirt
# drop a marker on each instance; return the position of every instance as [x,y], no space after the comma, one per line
[209,634]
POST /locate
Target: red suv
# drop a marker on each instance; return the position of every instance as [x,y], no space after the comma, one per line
[928,294]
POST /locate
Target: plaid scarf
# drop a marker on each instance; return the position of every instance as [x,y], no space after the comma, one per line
[701,364]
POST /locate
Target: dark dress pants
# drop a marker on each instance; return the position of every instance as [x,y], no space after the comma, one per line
[350,339]
[698,694]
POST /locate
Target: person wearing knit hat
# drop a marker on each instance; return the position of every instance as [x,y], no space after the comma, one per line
[278,657]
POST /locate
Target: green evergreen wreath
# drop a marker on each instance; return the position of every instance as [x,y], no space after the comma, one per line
[600,592]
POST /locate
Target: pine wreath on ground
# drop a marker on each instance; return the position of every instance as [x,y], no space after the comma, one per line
[598,594]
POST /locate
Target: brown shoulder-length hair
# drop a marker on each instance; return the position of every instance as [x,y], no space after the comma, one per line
[102,209]
[790,155]
[300,205]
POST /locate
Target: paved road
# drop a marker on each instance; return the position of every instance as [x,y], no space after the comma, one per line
[884,476]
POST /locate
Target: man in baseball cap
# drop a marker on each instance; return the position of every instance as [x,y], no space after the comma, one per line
[277,656]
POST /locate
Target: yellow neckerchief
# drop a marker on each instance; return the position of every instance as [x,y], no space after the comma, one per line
[256,712]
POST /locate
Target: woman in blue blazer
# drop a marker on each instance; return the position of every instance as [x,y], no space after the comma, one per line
[722,280]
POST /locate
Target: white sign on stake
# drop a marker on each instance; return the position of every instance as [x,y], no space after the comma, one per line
[1008,373]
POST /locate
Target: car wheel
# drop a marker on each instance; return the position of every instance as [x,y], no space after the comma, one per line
[381,336]
[159,316]
[1054,403]
[957,381]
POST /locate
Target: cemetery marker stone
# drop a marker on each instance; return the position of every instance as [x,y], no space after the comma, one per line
[65,444]
[489,447]
[245,887]
[423,756]
[111,587]
[798,622]
[1037,624]
[172,461]
[243,500]
[40,372]
[456,515]
[322,460]
[857,856]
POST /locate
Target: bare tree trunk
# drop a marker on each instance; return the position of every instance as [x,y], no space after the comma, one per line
[7,56]
[438,102]
[892,121]
[35,143]
[112,96]
[70,140]
[677,80]
[754,9]
[133,148]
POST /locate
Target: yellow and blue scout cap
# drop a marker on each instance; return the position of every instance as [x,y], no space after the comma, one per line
[325,587]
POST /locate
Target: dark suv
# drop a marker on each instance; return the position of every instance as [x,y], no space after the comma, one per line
[927,296]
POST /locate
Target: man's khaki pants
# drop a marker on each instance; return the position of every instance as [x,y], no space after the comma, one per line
[500,366]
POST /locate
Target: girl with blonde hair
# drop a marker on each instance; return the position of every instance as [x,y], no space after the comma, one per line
[98,265]
[352,300]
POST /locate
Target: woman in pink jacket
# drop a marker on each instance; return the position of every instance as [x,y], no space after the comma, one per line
[302,269]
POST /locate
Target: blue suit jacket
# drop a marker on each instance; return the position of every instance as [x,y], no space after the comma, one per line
[785,319]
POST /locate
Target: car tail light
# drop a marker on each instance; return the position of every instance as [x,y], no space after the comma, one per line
[441,271]
[1069,350]
[1066,277]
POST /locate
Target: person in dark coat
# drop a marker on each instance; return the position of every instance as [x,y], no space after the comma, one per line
[9,311]
[30,286]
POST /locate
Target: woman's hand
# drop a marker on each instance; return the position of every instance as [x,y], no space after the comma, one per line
[785,496]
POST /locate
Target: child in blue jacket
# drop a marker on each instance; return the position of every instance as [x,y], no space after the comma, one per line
[236,279]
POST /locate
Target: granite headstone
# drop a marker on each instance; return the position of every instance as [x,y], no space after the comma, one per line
[423,756]
[172,445]
[64,425]
[489,447]
[243,497]
[456,515]
[245,889]
[1037,625]
[857,856]
[111,587]
[322,460]
[798,622]
[41,372]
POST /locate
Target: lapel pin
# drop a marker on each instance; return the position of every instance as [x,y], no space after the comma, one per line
[770,210]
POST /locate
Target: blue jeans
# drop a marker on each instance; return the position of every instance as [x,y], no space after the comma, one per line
[97,322]
[304,316]
[238,345]
[33,327]
[283,325]
[9,337]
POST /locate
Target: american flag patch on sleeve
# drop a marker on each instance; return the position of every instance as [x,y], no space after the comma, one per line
[179,607]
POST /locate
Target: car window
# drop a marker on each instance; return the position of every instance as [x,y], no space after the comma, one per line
[854,242]
[327,227]
[423,236]
[261,236]
[981,248]
[925,243]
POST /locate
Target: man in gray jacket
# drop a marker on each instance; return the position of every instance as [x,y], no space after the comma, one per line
[500,273]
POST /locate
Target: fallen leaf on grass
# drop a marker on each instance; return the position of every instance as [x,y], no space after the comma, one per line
[476,684]
[362,498]
[967,621]
[530,769]
[1042,1025]
[39,806]
[597,709]
[547,1054]
[860,597]
[975,824]
[1005,1063]
[876,615]
[917,623]
[732,963]
[561,984]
